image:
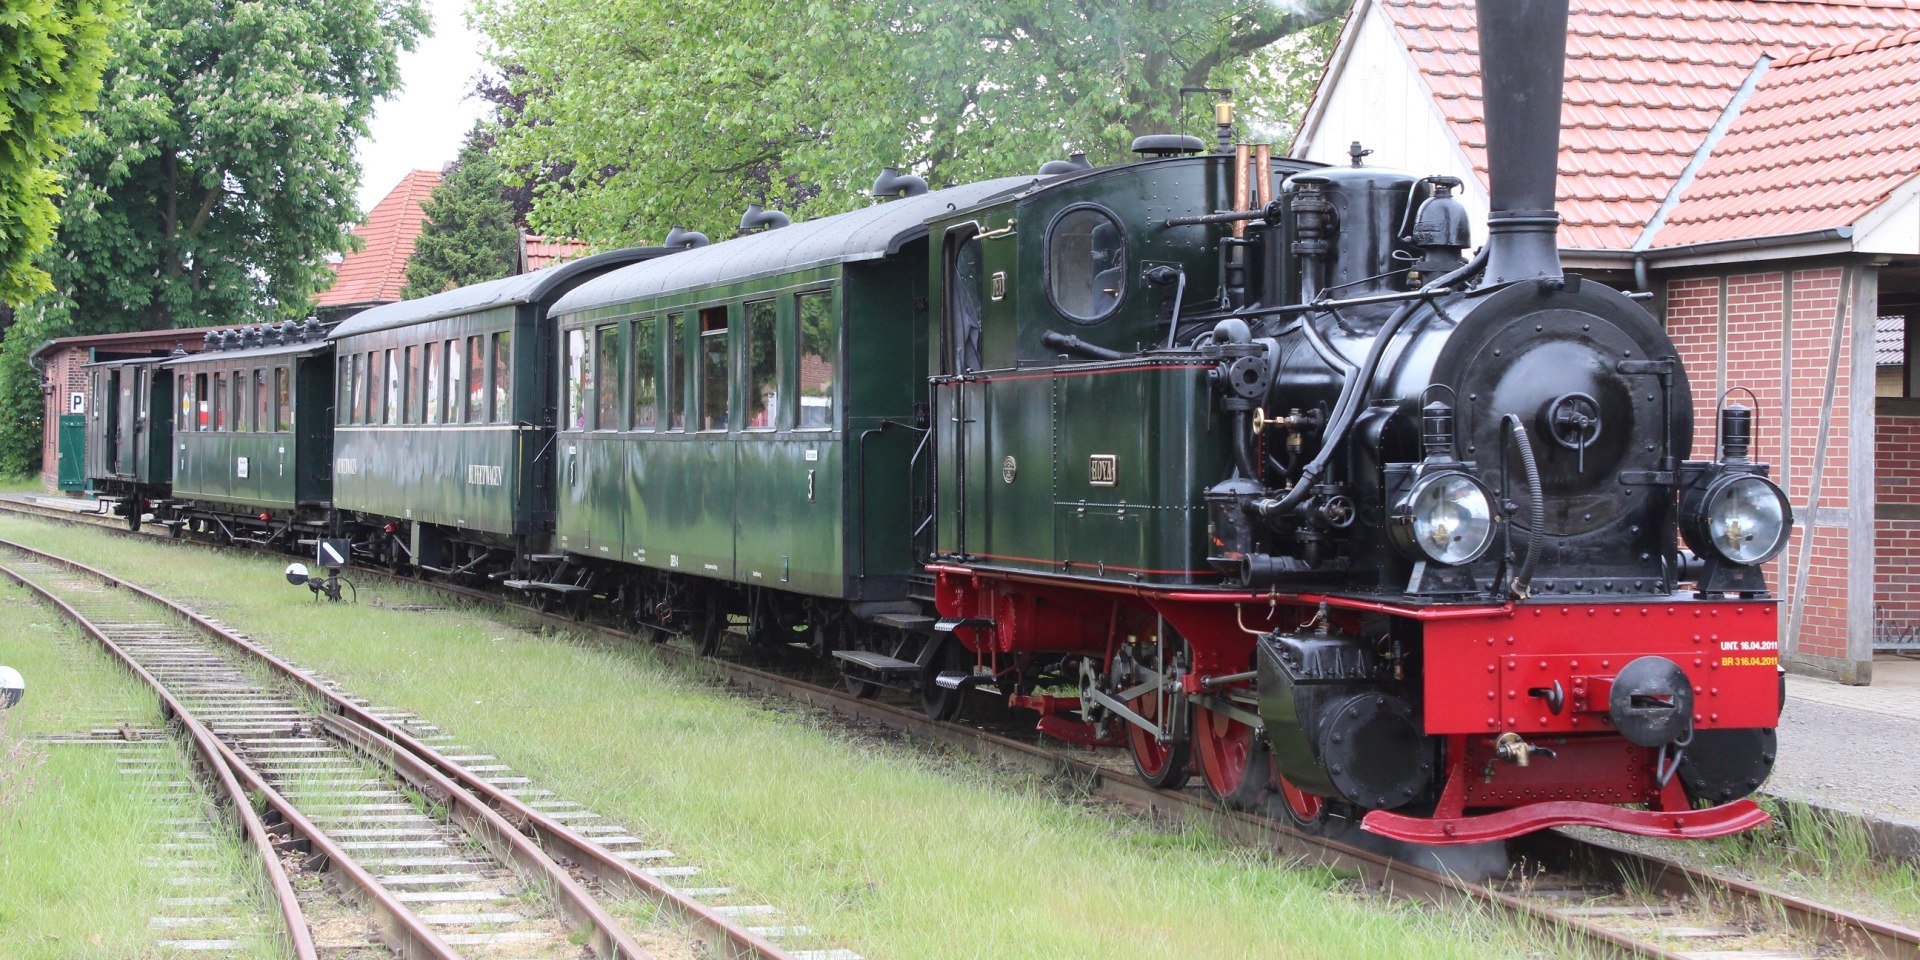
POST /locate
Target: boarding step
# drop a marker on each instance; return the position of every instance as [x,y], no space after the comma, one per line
[877,662]
[562,588]
[950,624]
[910,622]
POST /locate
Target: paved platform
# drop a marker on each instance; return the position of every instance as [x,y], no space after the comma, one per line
[1857,750]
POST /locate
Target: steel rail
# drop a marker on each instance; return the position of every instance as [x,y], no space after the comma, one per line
[1872,937]
[722,933]
[401,928]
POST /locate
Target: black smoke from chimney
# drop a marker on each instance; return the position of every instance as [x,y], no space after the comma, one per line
[1523,54]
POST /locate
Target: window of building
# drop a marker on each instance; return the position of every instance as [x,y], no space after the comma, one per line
[456,400]
[476,380]
[433,363]
[764,408]
[819,346]
[393,401]
[713,368]
[645,376]
[359,413]
[502,377]
[282,400]
[577,366]
[606,377]
[262,402]
[674,384]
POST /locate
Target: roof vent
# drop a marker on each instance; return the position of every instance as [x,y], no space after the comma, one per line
[1072,164]
[1168,145]
[211,341]
[757,217]
[312,330]
[891,183]
[680,238]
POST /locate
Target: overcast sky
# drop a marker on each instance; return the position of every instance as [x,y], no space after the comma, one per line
[421,128]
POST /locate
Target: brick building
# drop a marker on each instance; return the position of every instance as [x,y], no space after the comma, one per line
[1755,165]
[64,384]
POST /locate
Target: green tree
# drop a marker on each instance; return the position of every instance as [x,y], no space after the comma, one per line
[666,111]
[51,55]
[471,232]
[213,179]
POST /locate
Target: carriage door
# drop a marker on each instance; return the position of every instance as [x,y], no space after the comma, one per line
[130,430]
[959,416]
[107,388]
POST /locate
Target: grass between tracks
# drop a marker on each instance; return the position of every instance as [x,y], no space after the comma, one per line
[894,851]
[72,829]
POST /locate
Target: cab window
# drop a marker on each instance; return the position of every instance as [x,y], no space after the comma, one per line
[1086,264]
[964,278]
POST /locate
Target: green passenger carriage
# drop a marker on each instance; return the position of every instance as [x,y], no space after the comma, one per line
[129,433]
[747,415]
[251,434]
[445,420]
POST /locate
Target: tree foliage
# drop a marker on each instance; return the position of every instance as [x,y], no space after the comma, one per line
[215,176]
[654,112]
[51,56]
[471,232]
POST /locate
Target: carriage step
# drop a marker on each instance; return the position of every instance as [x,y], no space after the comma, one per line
[546,557]
[950,624]
[877,662]
[561,588]
[910,622]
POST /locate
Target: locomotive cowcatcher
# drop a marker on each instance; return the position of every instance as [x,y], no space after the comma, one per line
[1305,501]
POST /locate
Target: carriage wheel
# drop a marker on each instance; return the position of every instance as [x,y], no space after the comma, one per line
[1232,760]
[939,702]
[1166,765]
[713,629]
[133,515]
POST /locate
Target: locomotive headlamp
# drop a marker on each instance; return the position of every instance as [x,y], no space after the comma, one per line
[1446,517]
[1742,518]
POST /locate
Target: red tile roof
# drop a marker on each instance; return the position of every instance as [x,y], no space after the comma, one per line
[378,271]
[1644,86]
[1827,136]
[546,251]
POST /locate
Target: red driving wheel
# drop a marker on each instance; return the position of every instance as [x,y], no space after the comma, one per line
[1302,807]
[1168,764]
[1232,761]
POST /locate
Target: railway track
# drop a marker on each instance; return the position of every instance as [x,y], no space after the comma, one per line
[431,847]
[1593,893]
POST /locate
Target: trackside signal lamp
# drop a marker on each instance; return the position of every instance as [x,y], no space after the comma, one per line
[1731,515]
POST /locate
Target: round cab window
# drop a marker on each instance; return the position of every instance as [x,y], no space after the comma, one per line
[1086,264]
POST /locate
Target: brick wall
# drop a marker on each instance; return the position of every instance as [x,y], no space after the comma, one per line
[64,373]
[1736,329]
[1896,554]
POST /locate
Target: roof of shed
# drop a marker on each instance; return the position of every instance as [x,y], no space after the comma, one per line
[1645,87]
[506,291]
[864,234]
[1826,137]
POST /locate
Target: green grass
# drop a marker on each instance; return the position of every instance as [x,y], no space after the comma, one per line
[1823,856]
[72,685]
[897,852]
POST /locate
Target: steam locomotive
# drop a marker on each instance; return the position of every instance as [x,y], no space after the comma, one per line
[1238,463]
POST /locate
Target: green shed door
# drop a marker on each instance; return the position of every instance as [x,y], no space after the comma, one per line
[73,455]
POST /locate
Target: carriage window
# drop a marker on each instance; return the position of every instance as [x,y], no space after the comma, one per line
[455,366]
[393,401]
[359,388]
[262,402]
[502,377]
[713,368]
[674,383]
[220,403]
[202,403]
[646,399]
[763,366]
[345,392]
[434,363]
[282,400]
[237,409]
[606,377]
[577,368]
[185,393]
[410,388]
[964,293]
[1086,265]
[819,340]
[476,380]
[376,386]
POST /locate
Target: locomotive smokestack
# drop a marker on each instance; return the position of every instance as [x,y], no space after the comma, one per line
[1523,53]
